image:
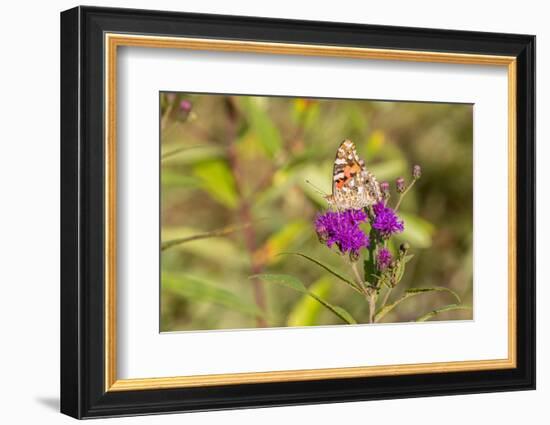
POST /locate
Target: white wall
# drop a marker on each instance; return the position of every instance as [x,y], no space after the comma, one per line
[29,223]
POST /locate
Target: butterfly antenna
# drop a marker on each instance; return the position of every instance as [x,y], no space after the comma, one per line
[317,189]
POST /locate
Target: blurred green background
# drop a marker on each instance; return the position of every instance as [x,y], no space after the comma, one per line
[234,195]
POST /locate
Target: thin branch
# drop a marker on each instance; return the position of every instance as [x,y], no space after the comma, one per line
[358,276]
[213,234]
[402,195]
[165,117]
[183,149]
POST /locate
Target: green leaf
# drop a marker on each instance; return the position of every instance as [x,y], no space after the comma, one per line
[412,292]
[327,268]
[369,266]
[190,152]
[281,240]
[339,311]
[200,290]
[170,178]
[407,258]
[418,232]
[369,270]
[217,180]
[449,307]
[401,267]
[345,315]
[261,125]
[283,279]
[168,154]
[294,283]
[306,311]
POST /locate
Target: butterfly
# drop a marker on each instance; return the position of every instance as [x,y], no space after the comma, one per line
[353,187]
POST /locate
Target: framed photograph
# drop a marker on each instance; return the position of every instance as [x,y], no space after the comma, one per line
[261,212]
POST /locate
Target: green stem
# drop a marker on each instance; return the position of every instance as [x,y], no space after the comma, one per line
[371,292]
[386,297]
[358,276]
[402,195]
[372,304]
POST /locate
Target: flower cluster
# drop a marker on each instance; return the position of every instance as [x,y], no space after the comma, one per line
[386,221]
[381,267]
[342,229]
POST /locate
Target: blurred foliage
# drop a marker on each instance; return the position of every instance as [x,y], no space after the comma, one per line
[234,196]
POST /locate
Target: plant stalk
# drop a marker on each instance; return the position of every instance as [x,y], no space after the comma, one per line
[245,213]
[166,116]
[370,293]
[372,304]
[213,234]
[358,277]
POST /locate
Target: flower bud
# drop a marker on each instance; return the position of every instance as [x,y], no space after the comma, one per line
[353,256]
[322,233]
[383,259]
[385,188]
[400,183]
[185,106]
[417,172]
[171,97]
[404,247]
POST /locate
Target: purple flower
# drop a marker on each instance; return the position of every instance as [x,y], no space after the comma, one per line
[386,221]
[341,228]
[383,259]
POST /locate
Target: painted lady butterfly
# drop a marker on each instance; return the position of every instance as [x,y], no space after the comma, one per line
[353,187]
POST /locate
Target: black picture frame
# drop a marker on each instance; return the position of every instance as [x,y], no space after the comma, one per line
[83,392]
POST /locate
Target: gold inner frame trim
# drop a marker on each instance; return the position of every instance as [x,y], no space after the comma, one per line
[113,41]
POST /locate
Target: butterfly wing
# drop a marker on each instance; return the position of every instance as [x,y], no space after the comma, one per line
[371,189]
[346,166]
[353,187]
